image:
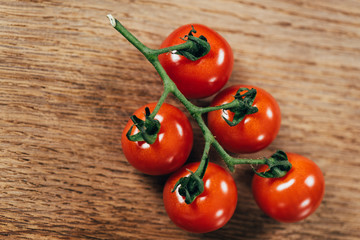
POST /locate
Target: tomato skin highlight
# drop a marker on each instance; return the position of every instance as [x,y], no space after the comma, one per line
[255,132]
[207,75]
[171,148]
[293,197]
[212,209]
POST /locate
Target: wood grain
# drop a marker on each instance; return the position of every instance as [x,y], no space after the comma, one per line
[69,82]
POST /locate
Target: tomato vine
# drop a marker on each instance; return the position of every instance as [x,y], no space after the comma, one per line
[241,106]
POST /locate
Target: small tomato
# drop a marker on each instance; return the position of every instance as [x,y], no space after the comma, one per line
[205,76]
[210,210]
[171,148]
[293,197]
[255,132]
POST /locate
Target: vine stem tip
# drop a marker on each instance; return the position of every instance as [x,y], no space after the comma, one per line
[112,20]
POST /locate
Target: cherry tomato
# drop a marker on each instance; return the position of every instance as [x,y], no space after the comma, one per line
[171,148]
[255,132]
[205,76]
[210,210]
[294,196]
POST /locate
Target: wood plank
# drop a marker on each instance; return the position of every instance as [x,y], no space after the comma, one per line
[69,82]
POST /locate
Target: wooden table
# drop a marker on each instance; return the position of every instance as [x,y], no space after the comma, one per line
[69,82]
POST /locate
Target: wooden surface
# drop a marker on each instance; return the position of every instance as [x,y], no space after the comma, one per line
[69,82]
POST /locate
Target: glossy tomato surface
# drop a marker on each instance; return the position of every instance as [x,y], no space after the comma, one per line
[171,148]
[294,196]
[255,132]
[210,210]
[207,75]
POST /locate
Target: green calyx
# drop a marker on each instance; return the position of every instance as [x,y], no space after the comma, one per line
[243,105]
[192,186]
[199,48]
[278,164]
[148,129]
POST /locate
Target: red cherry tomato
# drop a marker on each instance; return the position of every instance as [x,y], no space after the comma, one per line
[210,210]
[294,196]
[171,148]
[205,76]
[255,132]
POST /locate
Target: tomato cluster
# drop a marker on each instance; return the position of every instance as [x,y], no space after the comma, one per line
[290,198]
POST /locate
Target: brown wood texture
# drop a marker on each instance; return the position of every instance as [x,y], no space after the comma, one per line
[69,82]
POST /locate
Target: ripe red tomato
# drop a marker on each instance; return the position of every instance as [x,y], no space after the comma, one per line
[212,209]
[294,196]
[171,148]
[255,132]
[205,76]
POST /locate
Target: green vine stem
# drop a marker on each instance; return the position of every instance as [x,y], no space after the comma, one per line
[195,111]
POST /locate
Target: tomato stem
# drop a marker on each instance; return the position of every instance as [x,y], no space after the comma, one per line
[224,106]
[204,161]
[160,102]
[173,49]
[231,161]
[131,38]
